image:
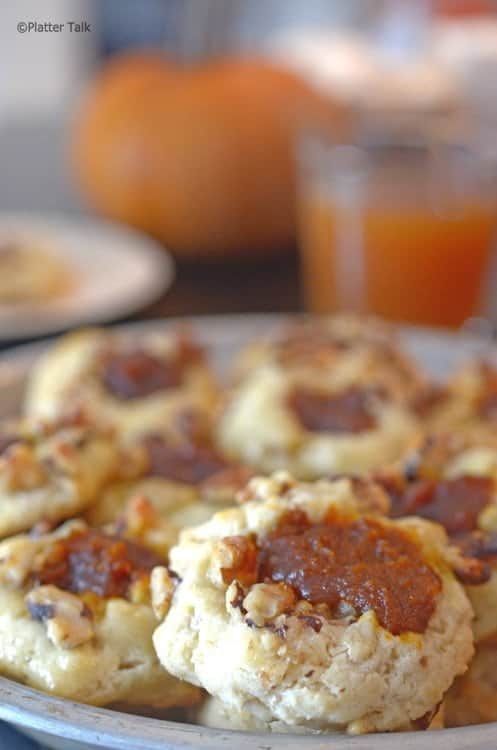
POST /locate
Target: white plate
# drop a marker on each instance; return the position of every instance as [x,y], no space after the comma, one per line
[117,271]
[64,725]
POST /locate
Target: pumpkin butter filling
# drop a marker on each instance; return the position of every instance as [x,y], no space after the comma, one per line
[90,561]
[136,373]
[350,566]
[456,504]
[347,412]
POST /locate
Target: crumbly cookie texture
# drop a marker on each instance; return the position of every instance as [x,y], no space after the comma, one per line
[324,398]
[92,648]
[261,649]
[51,470]
[451,477]
[215,714]
[136,384]
[472,699]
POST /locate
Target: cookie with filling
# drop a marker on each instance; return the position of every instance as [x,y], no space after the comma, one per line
[306,606]
[322,398]
[137,383]
[180,470]
[451,478]
[77,617]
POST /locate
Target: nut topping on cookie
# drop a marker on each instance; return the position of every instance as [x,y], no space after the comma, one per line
[268,600]
[162,585]
[21,470]
[304,607]
[235,557]
[68,620]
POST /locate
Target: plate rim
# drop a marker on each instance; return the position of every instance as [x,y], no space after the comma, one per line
[21,353]
[65,719]
[162,275]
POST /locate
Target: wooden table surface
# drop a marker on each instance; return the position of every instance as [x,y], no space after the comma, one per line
[234,287]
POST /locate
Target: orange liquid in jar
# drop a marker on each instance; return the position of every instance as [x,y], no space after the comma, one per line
[403,262]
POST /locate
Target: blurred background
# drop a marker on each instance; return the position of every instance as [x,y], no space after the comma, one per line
[290,154]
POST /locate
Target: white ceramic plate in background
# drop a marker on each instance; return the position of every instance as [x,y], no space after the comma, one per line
[116,270]
[64,725]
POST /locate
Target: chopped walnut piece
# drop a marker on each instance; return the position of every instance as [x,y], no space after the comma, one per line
[138,515]
[68,620]
[141,522]
[21,470]
[262,489]
[235,558]
[268,600]
[469,570]
[17,563]
[473,572]
[235,594]
[372,497]
[162,586]
[139,591]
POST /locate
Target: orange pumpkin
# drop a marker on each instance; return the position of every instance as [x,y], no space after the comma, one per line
[200,157]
